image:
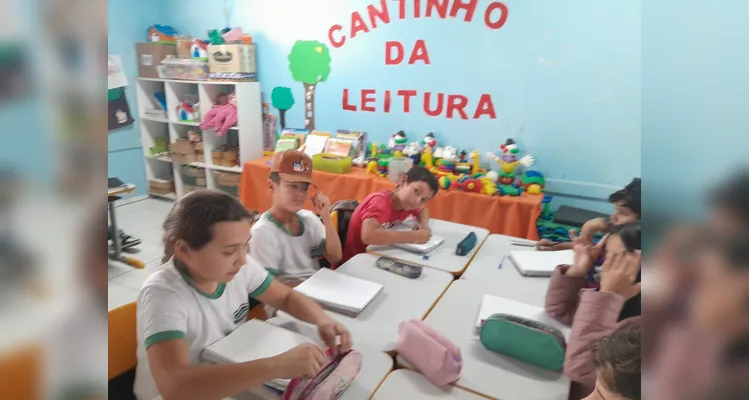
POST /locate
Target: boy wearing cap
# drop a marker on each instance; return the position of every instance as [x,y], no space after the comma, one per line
[286,239]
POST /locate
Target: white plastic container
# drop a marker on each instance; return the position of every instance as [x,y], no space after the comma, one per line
[398,167]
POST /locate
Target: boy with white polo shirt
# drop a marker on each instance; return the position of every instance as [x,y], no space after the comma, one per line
[287,240]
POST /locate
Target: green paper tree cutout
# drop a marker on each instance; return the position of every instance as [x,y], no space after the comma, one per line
[282,100]
[309,63]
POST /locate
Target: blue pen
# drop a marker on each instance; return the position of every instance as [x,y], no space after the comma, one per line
[500,263]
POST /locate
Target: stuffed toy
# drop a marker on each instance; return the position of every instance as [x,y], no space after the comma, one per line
[223,115]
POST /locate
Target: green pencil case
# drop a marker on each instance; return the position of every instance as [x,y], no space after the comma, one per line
[526,340]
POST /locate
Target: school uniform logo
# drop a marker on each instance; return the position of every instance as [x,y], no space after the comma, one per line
[241,314]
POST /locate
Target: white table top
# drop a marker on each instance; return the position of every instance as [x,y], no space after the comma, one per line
[484,371]
[443,257]
[401,299]
[375,366]
[407,384]
[485,267]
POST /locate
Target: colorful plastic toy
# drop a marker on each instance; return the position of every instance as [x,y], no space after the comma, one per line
[427,158]
[533,182]
[509,161]
[509,190]
[398,142]
[444,182]
[429,140]
[470,185]
[413,151]
[162,34]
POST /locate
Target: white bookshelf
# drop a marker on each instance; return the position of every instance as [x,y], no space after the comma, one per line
[247,135]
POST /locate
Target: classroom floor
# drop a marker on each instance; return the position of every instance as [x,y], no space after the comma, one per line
[142,219]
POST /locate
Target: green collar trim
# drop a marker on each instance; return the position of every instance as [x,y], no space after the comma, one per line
[284,228]
[186,276]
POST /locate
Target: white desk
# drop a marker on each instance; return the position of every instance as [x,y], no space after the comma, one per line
[407,384]
[507,280]
[401,299]
[375,364]
[484,371]
[443,257]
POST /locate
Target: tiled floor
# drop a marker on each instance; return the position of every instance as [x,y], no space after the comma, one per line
[142,219]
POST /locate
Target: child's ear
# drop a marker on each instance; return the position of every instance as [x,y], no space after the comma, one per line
[271,186]
[402,181]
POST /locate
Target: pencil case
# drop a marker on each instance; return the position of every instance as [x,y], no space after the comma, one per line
[466,245]
[525,340]
[330,382]
[437,358]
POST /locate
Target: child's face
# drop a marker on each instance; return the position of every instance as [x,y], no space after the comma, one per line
[413,195]
[289,196]
[222,258]
[622,214]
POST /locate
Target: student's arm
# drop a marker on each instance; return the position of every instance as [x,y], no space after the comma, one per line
[280,296]
[333,251]
[422,219]
[591,227]
[373,234]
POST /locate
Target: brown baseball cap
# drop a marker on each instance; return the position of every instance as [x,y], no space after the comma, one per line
[292,166]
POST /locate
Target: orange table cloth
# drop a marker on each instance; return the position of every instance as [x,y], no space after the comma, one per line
[513,216]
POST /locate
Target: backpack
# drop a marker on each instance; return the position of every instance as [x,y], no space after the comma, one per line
[341,212]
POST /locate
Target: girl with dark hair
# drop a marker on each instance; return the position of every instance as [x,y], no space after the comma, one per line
[596,312]
[201,294]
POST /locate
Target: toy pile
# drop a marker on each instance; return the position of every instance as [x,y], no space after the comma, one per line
[461,170]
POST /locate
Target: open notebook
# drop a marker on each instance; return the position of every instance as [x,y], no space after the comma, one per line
[499,305]
[540,263]
[252,341]
[339,292]
[434,242]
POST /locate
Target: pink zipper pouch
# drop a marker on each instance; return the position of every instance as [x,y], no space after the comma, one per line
[330,382]
[437,358]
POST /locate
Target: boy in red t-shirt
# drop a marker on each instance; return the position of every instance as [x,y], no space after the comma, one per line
[383,209]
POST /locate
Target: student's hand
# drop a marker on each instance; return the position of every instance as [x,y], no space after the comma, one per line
[619,273]
[303,360]
[330,331]
[420,227]
[420,236]
[590,228]
[321,204]
[584,257]
[544,245]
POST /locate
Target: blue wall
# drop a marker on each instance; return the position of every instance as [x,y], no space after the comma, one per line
[564,77]
[128,20]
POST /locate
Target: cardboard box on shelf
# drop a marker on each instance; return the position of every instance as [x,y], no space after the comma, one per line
[150,56]
[229,179]
[161,186]
[182,152]
[231,58]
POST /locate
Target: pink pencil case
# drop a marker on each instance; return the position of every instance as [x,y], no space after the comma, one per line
[437,358]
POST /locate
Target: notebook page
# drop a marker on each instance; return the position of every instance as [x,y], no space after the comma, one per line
[541,260]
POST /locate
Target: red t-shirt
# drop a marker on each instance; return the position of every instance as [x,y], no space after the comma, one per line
[377,205]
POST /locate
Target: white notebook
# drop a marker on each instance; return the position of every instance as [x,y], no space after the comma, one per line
[339,292]
[499,305]
[540,263]
[254,340]
[434,242]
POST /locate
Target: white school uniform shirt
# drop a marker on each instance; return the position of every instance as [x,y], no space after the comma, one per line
[290,257]
[171,307]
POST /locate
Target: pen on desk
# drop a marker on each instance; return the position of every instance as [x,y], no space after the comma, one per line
[501,262]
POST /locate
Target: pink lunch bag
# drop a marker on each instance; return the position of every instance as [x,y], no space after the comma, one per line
[330,382]
[429,352]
